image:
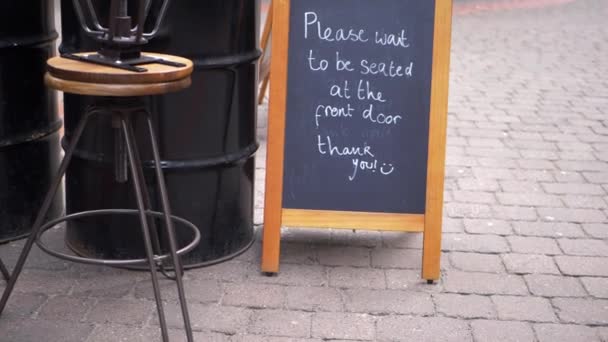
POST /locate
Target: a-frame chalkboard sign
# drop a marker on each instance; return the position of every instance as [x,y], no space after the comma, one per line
[357,120]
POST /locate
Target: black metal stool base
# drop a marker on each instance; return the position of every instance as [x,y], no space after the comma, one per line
[127,157]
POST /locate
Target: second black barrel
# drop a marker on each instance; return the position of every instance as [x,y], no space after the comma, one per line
[206,135]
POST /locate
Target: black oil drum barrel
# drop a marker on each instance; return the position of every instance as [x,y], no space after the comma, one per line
[29,124]
[206,135]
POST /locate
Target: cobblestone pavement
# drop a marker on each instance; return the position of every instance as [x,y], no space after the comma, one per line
[526,229]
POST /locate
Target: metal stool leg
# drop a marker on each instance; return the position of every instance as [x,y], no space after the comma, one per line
[4,271]
[46,204]
[170,229]
[120,155]
[134,165]
[154,232]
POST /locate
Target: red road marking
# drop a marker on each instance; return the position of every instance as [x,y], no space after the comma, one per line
[485,6]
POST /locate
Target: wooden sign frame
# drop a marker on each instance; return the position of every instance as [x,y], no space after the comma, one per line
[428,223]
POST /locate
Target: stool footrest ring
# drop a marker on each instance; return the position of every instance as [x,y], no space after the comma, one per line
[108,212]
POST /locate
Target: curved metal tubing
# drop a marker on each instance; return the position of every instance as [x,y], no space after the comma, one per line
[107,212]
[98,30]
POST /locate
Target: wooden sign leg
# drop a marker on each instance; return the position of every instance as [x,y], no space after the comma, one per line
[271,247]
[273,205]
[431,253]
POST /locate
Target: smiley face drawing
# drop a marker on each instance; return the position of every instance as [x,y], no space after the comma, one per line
[387,169]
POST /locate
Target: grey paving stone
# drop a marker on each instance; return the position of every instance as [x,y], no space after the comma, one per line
[581,165]
[503,212]
[197,290]
[547,229]
[533,245]
[493,173]
[355,238]
[350,277]
[534,175]
[565,333]
[527,199]
[122,333]
[411,280]
[554,286]
[503,331]
[534,309]
[596,230]
[464,306]
[491,152]
[381,302]
[396,258]
[414,240]
[395,328]
[118,333]
[477,262]
[572,215]
[232,271]
[37,259]
[516,186]
[344,256]
[488,226]
[120,311]
[254,295]
[470,210]
[538,159]
[23,304]
[298,253]
[597,287]
[484,283]
[45,282]
[582,266]
[313,298]
[582,201]
[474,196]
[529,263]
[30,330]
[474,243]
[64,308]
[265,338]
[108,285]
[294,274]
[281,323]
[495,162]
[584,247]
[582,311]
[298,235]
[222,319]
[596,177]
[603,333]
[573,188]
[568,176]
[343,326]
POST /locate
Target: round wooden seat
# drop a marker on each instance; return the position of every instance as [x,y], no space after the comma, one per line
[77,77]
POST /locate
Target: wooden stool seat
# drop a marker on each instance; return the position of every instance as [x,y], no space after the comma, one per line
[77,77]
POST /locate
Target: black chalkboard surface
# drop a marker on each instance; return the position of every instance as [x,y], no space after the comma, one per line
[357,109]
